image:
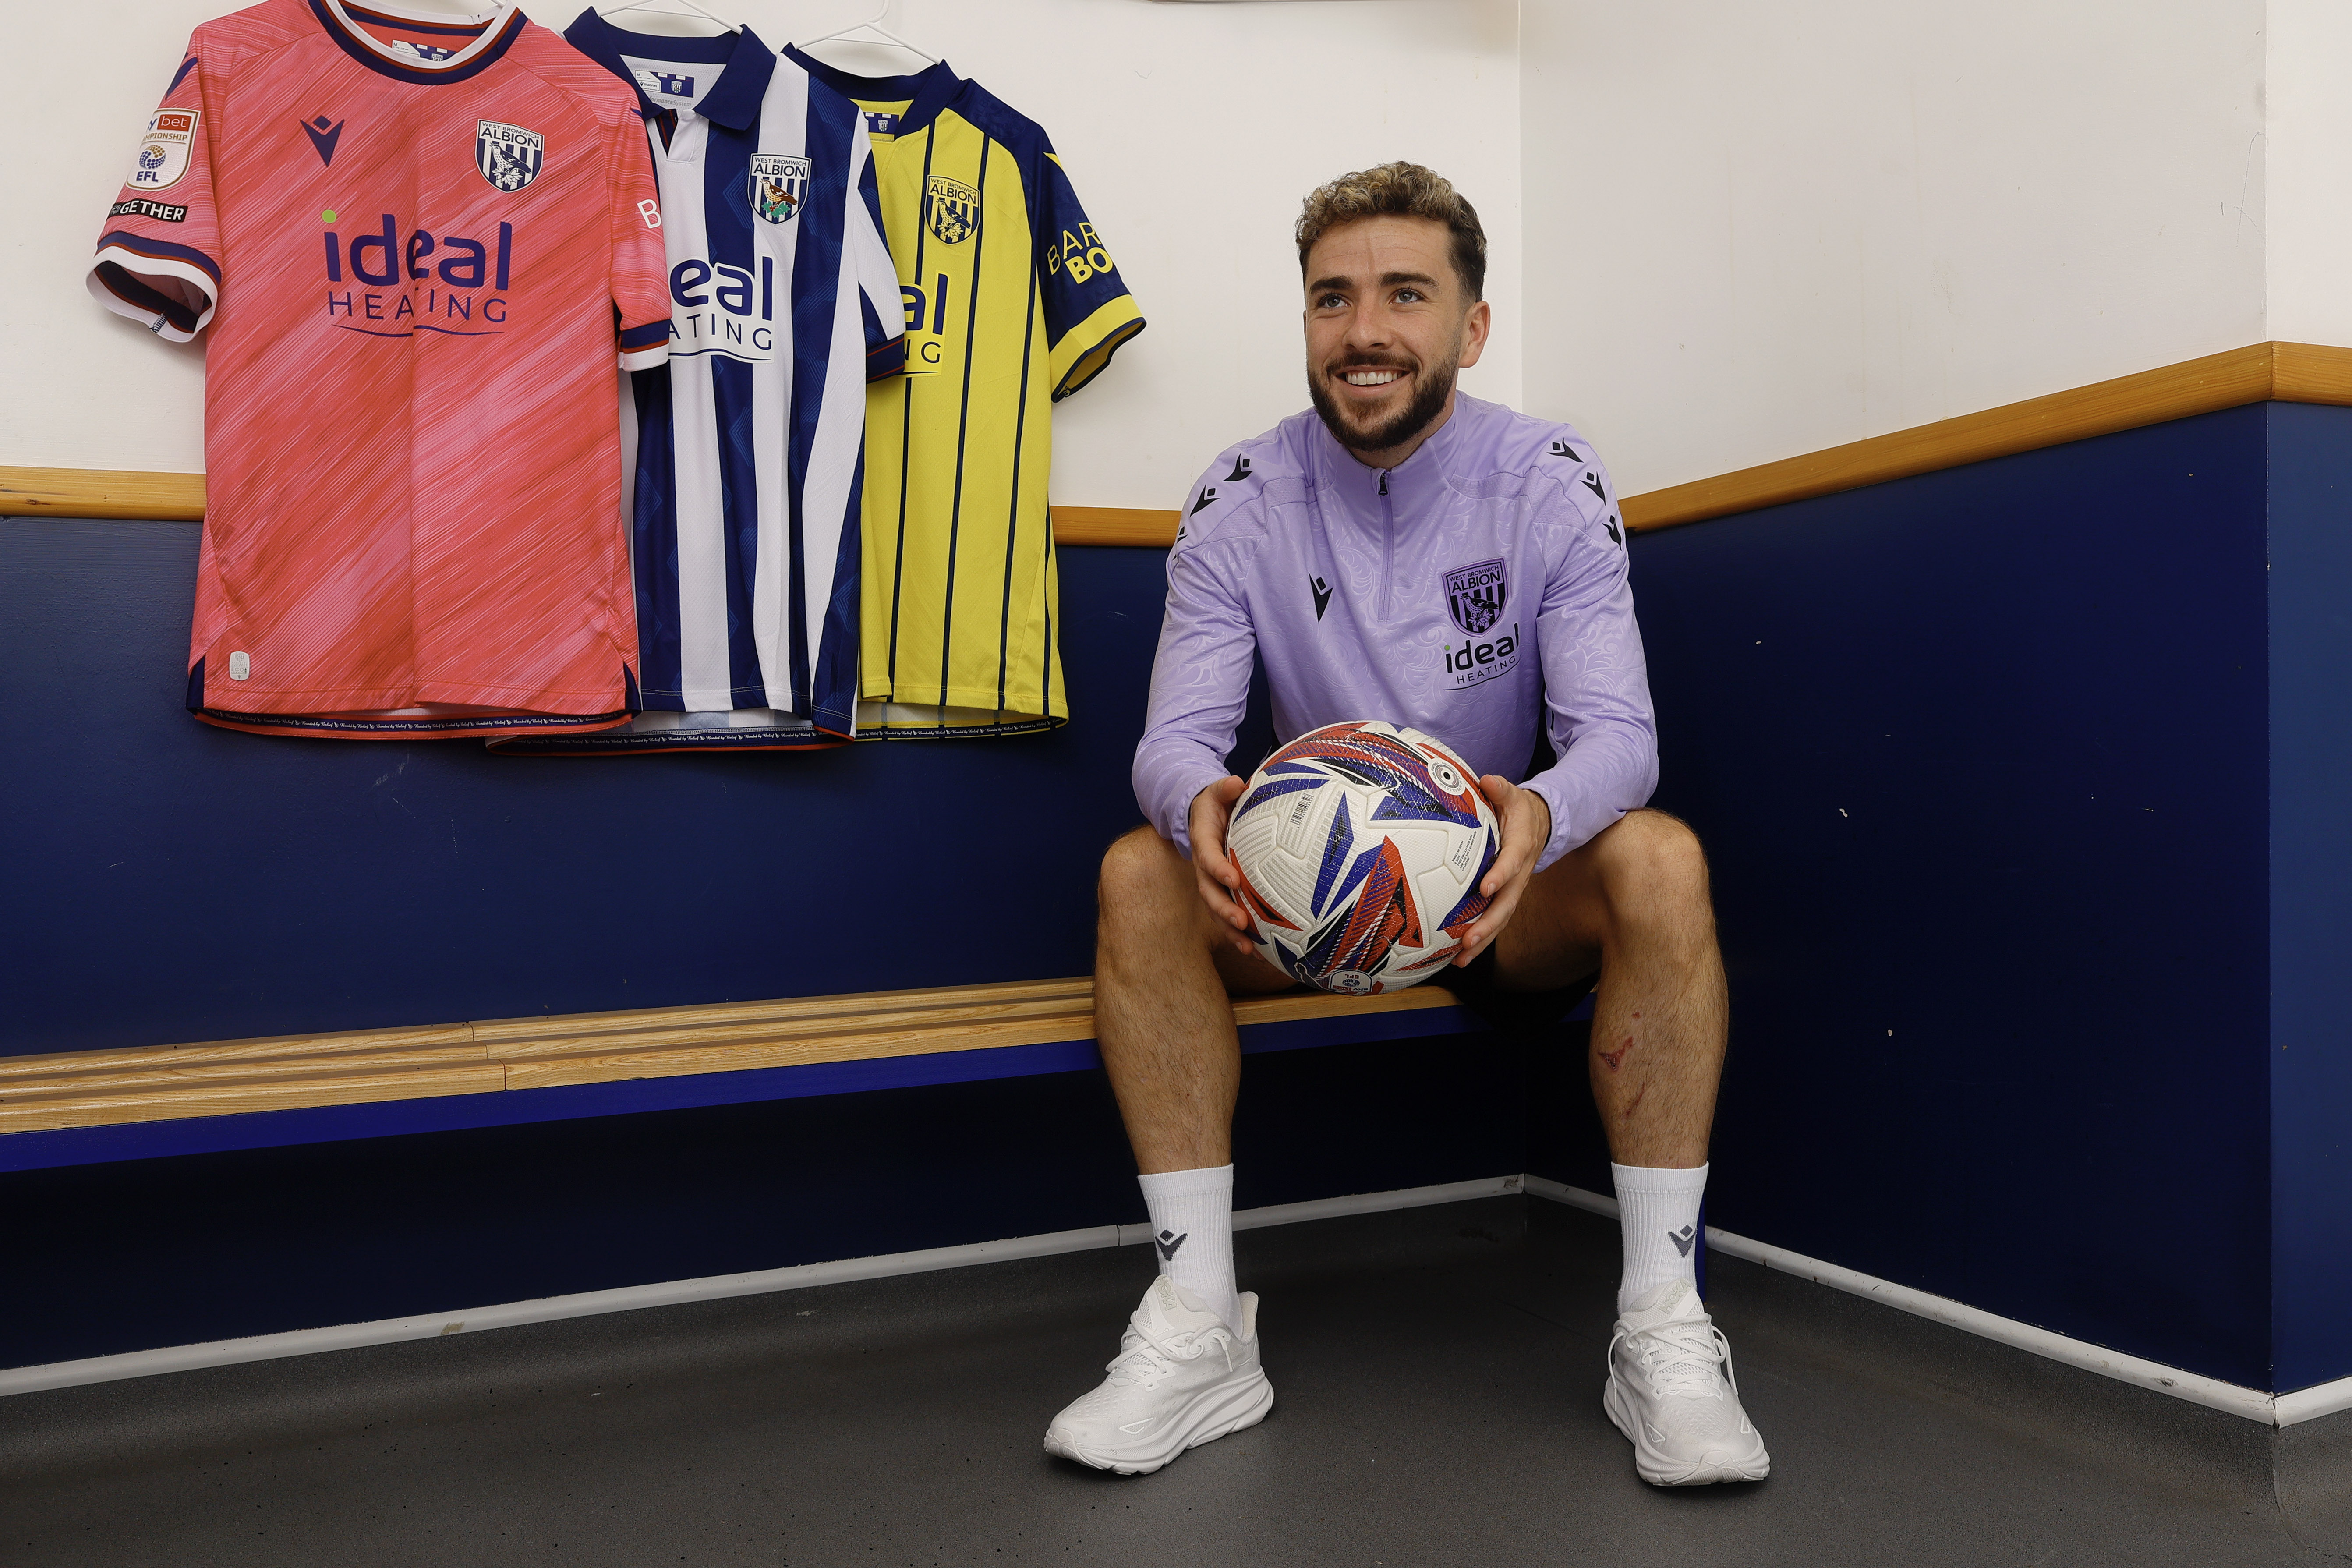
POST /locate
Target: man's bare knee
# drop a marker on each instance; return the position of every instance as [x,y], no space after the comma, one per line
[1146,885]
[1136,866]
[1652,857]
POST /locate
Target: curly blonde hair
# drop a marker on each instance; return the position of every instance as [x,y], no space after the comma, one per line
[1401,190]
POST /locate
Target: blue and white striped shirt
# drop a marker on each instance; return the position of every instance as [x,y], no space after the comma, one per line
[745,478]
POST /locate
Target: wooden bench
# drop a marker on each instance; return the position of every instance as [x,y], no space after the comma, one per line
[511,1070]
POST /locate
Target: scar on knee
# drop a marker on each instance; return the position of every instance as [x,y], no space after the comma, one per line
[1616,1058]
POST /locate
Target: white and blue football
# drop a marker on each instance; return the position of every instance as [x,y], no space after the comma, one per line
[1360,848]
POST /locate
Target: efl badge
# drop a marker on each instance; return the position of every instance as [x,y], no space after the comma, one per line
[779,186]
[1474,596]
[164,151]
[509,156]
[951,210]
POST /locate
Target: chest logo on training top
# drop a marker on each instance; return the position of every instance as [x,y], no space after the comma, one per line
[779,186]
[1474,596]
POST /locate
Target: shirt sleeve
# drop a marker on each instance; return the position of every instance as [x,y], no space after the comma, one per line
[877,275]
[157,257]
[1596,681]
[1088,311]
[640,263]
[1200,684]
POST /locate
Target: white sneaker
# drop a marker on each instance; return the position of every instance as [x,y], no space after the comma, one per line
[1181,1378]
[1672,1393]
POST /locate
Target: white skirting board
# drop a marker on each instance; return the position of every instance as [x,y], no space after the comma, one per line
[303,1342]
[2281,1410]
[2273,1410]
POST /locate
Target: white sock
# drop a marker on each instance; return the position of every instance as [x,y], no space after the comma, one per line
[1657,1216]
[1192,1233]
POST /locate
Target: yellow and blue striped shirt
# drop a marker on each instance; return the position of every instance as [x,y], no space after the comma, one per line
[1012,303]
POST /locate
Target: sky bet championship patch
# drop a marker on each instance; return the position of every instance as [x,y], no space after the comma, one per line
[164,151]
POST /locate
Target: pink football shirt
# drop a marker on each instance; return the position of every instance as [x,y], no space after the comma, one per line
[419,243]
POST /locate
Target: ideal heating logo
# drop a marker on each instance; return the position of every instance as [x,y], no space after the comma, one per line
[717,307]
[413,281]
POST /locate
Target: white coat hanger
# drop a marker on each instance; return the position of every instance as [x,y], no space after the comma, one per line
[676,8]
[872,31]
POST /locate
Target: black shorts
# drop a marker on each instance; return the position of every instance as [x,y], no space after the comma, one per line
[1513,1012]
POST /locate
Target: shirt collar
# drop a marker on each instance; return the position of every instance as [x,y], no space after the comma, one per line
[925,93]
[745,63]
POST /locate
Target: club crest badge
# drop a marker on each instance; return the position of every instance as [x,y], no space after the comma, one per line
[164,151]
[509,156]
[1474,596]
[779,186]
[950,210]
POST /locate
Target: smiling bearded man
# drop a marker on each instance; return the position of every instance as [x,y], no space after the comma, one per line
[1324,547]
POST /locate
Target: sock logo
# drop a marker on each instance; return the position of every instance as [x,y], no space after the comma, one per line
[1683,1239]
[1168,1241]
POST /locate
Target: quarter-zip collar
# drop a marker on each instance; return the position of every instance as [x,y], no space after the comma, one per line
[745,65]
[1417,488]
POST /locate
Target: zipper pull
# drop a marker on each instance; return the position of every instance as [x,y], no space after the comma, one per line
[1384,481]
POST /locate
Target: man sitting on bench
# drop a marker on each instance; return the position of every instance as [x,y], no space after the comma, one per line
[1324,546]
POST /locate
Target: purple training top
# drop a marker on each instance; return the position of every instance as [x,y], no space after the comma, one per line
[1477,585]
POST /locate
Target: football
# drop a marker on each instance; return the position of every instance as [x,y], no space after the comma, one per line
[1360,848]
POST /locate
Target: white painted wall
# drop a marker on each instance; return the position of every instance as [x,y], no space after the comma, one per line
[1191,132]
[1754,231]
[1751,231]
[2308,89]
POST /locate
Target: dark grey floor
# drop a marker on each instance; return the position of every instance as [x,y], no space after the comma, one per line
[1437,1374]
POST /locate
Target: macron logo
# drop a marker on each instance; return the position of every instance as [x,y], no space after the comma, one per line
[323,135]
[1683,1239]
[1208,495]
[1168,1241]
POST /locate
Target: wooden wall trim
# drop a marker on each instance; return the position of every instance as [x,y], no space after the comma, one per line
[2259,372]
[101,492]
[1114,525]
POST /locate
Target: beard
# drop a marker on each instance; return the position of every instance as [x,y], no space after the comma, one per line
[1430,391]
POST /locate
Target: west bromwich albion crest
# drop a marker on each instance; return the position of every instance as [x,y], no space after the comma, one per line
[509,156]
[1474,596]
[951,209]
[779,186]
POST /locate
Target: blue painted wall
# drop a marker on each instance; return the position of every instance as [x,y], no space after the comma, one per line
[194,883]
[2310,889]
[1984,760]
[1979,759]
[139,1254]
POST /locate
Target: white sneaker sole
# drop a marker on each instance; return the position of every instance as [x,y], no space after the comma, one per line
[1214,1413]
[1660,1470]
